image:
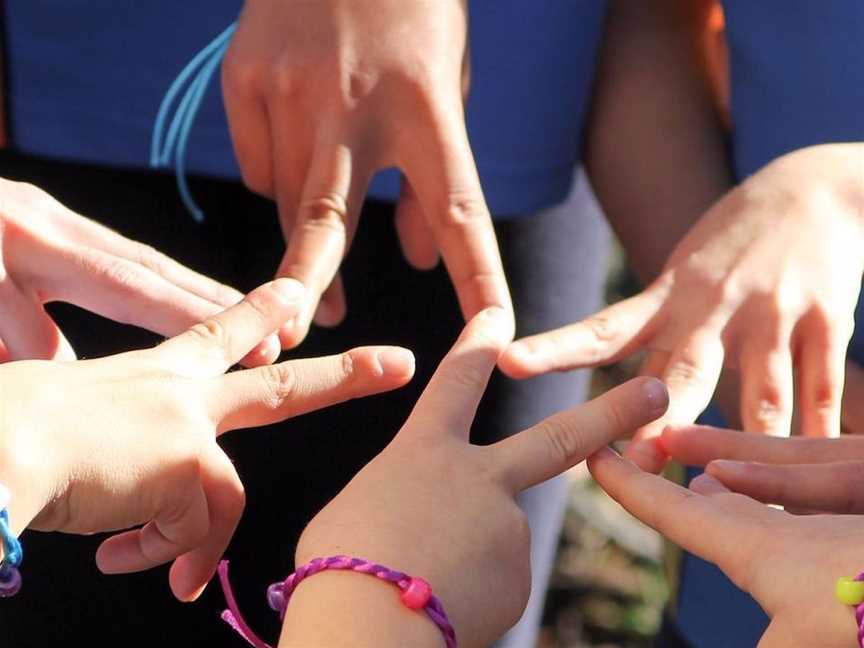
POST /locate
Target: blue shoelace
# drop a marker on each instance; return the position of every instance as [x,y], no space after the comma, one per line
[169,148]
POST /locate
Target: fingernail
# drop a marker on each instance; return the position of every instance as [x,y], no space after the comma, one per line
[726,466]
[396,362]
[656,394]
[499,322]
[290,290]
[195,595]
[705,483]
[646,454]
[607,452]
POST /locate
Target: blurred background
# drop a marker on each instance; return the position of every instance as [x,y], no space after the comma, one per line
[609,588]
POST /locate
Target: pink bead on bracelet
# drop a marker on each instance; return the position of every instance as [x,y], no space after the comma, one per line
[416,594]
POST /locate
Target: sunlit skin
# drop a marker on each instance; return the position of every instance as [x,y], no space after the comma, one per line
[127,443]
[764,284]
[319,96]
[49,253]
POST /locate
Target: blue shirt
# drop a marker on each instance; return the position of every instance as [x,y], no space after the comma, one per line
[797,79]
[87,76]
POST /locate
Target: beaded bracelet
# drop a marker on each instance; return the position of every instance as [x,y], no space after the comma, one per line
[416,594]
[10,577]
[850,591]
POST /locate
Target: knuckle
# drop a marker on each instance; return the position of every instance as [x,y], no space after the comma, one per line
[601,331]
[565,441]
[348,364]
[327,211]
[768,415]
[285,82]
[826,393]
[601,328]
[280,383]
[771,403]
[259,302]
[685,371]
[242,76]
[463,210]
[617,419]
[152,259]
[122,273]
[211,331]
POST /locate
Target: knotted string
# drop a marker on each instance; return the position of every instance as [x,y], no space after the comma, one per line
[170,147]
[279,594]
[13,554]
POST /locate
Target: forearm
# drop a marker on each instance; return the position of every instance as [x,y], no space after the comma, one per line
[655,153]
[349,610]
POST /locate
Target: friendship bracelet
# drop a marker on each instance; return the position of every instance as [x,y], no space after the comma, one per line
[13,554]
[416,594]
[850,591]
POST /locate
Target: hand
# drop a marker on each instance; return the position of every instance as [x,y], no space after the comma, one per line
[766,282]
[49,253]
[790,564]
[852,412]
[435,506]
[319,96]
[130,440]
[805,474]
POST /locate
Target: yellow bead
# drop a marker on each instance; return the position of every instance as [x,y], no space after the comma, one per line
[849,592]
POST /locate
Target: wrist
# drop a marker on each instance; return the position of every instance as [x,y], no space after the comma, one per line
[17,476]
[369,610]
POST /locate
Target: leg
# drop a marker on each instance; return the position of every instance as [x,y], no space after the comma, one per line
[556,264]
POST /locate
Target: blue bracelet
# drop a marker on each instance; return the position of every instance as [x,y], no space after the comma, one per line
[10,577]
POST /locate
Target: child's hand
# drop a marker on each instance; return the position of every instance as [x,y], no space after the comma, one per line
[766,281]
[435,506]
[49,253]
[790,564]
[810,474]
[321,95]
[130,440]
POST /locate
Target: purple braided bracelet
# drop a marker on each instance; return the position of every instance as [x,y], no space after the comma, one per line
[416,594]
